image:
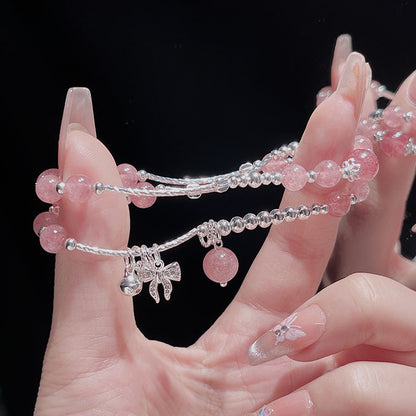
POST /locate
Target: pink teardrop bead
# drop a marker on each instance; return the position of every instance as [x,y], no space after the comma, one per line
[394,144]
[274,165]
[143,201]
[338,205]
[368,163]
[294,177]
[52,238]
[46,186]
[328,173]
[43,220]
[362,142]
[128,175]
[78,188]
[220,264]
[393,117]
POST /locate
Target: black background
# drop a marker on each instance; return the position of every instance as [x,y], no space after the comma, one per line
[179,88]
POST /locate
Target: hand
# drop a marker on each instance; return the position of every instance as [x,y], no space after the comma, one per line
[362,243]
[97,362]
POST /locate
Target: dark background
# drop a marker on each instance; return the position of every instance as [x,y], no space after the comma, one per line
[179,88]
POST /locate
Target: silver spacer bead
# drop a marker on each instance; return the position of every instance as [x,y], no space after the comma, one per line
[98,188]
[264,219]
[324,209]
[276,178]
[70,244]
[315,209]
[266,178]
[202,230]
[312,176]
[237,224]
[142,175]
[255,180]
[407,116]
[277,216]
[378,135]
[354,199]
[224,227]
[60,187]
[303,212]
[290,214]
[250,221]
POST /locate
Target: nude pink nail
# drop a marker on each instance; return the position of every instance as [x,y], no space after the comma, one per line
[291,335]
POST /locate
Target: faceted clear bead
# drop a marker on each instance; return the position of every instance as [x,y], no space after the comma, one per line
[237,224]
[250,221]
[255,179]
[303,212]
[277,216]
[264,219]
[290,214]
[224,227]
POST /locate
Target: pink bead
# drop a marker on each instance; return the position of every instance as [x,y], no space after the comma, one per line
[128,175]
[46,186]
[394,144]
[393,117]
[328,173]
[338,205]
[360,189]
[368,163]
[412,122]
[365,128]
[323,94]
[43,220]
[362,142]
[220,264]
[52,238]
[294,177]
[143,201]
[78,188]
[274,165]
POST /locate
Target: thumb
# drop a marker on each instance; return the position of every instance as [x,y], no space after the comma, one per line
[87,304]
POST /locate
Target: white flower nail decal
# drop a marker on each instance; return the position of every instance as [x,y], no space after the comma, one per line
[287,330]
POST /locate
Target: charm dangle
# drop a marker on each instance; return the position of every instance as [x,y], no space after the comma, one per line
[152,269]
[131,285]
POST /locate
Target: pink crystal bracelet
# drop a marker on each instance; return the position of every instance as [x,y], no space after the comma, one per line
[391,128]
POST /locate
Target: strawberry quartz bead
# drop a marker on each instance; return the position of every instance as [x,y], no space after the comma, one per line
[220,265]
[43,220]
[362,142]
[368,163]
[338,205]
[46,186]
[294,177]
[361,190]
[394,144]
[365,128]
[143,201]
[274,165]
[128,175]
[52,238]
[328,173]
[78,188]
[393,117]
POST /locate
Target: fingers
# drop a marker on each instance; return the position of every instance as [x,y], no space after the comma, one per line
[86,302]
[371,389]
[359,310]
[373,246]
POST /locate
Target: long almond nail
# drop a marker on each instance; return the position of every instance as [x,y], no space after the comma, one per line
[293,334]
[353,81]
[343,47]
[78,114]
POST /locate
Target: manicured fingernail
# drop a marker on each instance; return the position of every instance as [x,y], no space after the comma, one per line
[411,90]
[352,84]
[343,47]
[293,334]
[78,115]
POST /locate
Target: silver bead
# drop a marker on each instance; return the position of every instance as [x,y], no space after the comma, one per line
[276,178]
[130,285]
[234,181]
[290,214]
[255,180]
[60,187]
[250,221]
[192,193]
[202,230]
[98,188]
[277,216]
[315,209]
[264,219]
[324,209]
[277,154]
[142,175]
[378,135]
[237,224]
[293,146]
[354,199]
[407,116]
[70,244]
[304,212]
[266,178]
[285,150]
[224,227]
[245,167]
[312,176]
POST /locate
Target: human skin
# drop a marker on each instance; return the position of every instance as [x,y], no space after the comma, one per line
[98,363]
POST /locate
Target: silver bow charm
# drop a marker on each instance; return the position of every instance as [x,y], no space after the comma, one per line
[152,269]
